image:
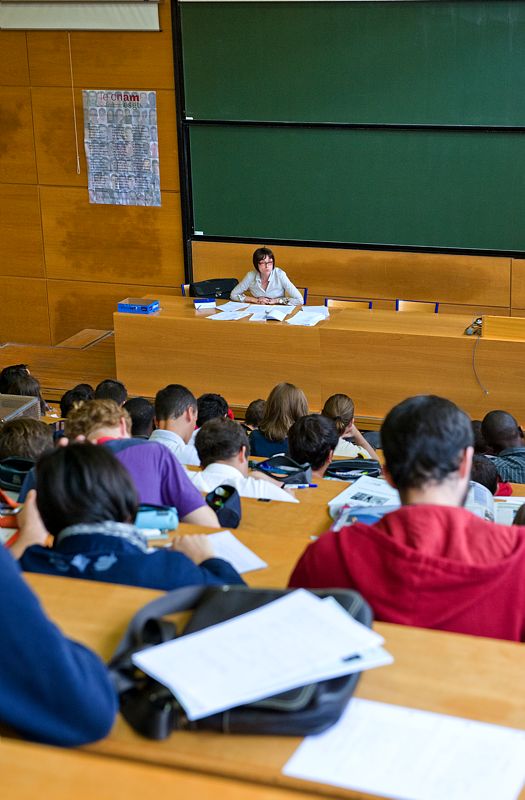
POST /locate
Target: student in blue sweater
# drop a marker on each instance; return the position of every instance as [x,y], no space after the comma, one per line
[52,690]
[88,502]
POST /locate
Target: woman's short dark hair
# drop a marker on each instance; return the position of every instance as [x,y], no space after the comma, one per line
[260,254]
[83,483]
[311,440]
[423,439]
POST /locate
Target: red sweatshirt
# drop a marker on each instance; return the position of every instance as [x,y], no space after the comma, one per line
[430,567]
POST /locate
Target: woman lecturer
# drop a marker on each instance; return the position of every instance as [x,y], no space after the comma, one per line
[266,283]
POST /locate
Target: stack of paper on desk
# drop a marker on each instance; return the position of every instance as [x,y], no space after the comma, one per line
[296,640]
[307,318]
[404,753]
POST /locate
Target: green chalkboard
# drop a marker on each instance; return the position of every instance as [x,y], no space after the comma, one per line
[433,63]
[444,189]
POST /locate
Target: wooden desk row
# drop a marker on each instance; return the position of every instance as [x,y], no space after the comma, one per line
[460,675]
[377,357]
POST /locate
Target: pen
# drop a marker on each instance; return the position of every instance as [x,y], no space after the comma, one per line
[301,485]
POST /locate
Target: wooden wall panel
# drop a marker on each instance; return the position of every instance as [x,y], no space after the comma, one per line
[20,231]
[24,316]
[518,283]
[457,279]
[17,152]
[93,303]
[104,59]
[14,69]
[128,244]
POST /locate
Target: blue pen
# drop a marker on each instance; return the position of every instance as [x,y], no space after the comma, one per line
[301,485]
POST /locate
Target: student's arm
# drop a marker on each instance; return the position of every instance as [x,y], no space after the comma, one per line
[52,690]
[362,442]
[202,516]
[199,550]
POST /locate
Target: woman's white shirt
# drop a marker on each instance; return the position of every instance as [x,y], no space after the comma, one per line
[279,285]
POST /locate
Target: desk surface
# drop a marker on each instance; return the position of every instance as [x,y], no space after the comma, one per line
[449,673]
[377,357]
[30,771]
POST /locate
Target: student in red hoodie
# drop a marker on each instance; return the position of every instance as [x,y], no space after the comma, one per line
[431,563]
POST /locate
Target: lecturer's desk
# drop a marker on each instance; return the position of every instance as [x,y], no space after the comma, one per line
[377,357]
[460,675]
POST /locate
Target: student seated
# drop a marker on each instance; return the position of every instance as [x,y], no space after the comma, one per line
[9,372]
[142,416]
[284,406]
[211,406]
[88,503]
[52,690]
[159,478]
[175,418]
[431,563]
[253,416]
[111,390]
[25,438]
[78,394]
[25,385]
[313,439]
[340,409]
[505,437]
[223,449]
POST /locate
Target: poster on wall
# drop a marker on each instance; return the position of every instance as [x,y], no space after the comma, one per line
[121,144]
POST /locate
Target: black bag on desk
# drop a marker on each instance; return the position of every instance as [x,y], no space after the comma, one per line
[226,502]
[154,712]
[349,469]
[214,287]
[284,469]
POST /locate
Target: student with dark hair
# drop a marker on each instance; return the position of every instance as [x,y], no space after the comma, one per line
[79,394]
[484,472]
[25,438]
[480,446]
[142,416]
[431,563]
[254,414]
[223,449]
[9,372]
[111,390]
[175,418]
[25,385]
[88,503]
[211,406]
[313,439]
[53,690]
[266,284]
[286,403]
[503,434]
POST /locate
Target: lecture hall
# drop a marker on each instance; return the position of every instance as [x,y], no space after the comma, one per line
[352,456]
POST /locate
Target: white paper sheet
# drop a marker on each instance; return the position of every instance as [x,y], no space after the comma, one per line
[505,509]
[366,491]
[227,316]
[404,753]
[305,319]
[227,546]
[323,310]
[231,305]
[280,646]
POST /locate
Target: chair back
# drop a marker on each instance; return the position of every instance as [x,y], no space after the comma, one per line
[185,289]
[336,302]
[421,306]
[304,290]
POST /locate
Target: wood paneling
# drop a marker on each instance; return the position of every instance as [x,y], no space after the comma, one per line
[55,137]
[74,305]
[518,283]
[14,69]
[20,231]
[17,151]
[127,244]
[24,316]
[365,273]
[104,59]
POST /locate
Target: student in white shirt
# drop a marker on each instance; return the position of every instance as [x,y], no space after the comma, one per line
[266,284]
[223,448]
[175,416]
[340,408]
